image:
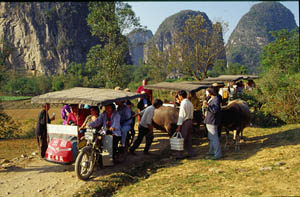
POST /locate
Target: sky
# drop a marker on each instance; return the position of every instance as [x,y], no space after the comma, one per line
[152,14]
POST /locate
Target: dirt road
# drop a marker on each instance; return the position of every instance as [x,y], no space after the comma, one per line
[37,177]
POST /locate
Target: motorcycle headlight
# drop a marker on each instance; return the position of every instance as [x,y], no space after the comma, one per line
[89,136]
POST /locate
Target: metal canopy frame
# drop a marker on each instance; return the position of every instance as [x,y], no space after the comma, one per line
[90,96]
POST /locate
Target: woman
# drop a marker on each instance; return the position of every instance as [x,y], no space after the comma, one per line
[77,116]
[94,110]
[110,119]
[65,111]
[212,120]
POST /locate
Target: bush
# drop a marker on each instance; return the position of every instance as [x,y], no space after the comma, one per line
[9,128]
[259,117]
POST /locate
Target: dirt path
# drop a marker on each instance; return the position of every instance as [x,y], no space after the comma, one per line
[37,177]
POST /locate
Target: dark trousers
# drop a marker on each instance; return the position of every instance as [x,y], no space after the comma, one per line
[186,132]
[42,144]
[116,140]
[143,131]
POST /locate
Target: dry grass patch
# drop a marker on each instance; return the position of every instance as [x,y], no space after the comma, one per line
[267,165]
[13,148]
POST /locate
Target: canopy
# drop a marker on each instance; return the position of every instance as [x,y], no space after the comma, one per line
[224,78]
[176,86]
[246,77]
[90,96]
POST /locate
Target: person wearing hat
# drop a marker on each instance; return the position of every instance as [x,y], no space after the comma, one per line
[212,120]
[217,87]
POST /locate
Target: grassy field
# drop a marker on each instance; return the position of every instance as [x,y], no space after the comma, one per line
[25,114]
[267,165]
[13,98]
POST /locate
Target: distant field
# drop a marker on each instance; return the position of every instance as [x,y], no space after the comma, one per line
[13,98]
[26,114]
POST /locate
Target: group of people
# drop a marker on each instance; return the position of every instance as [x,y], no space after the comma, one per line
[118,119]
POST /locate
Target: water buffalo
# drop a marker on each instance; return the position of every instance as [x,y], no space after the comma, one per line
[235,117]
[165,118]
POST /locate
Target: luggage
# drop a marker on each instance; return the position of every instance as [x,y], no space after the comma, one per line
[177,142]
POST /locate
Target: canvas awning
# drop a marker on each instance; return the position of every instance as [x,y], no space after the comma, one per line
[224,78]
[90,96]
[176,86]
[246,77]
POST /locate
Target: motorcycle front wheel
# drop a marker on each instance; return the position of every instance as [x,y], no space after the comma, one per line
[85,162]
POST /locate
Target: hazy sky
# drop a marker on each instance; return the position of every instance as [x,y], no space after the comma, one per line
[152,14]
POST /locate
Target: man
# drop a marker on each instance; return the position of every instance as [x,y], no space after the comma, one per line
[197,107]
[146,127]
[41,129]
[185,124]
[125,120]
[143,104]
[148,92]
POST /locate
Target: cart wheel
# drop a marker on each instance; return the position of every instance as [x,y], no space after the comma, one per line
[85,162]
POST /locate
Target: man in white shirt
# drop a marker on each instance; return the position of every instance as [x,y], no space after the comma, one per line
[146,127]
[185,124]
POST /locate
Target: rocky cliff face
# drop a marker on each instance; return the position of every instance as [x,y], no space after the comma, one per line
[136,42]
[45,36]
[164,36]
[246,42]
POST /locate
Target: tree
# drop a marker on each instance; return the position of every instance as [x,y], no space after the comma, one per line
[108,20]
[283,52]
[279,88]
[197,47]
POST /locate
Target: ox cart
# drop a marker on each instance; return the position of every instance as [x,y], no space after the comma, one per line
[64,144]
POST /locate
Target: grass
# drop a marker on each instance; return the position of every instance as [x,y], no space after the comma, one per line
[237,174]
[16,147]
[13,98]
[27,119]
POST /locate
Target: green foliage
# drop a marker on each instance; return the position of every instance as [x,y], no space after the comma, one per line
[237,69]
[13,98]
[196,47]
[279,87]
[107,21]
[259,117]
[283,53]
[232,69]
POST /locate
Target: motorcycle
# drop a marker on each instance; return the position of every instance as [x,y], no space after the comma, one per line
[98,148]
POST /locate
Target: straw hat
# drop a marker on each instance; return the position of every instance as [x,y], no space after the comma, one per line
[127,90]
[118,88]
[218,85]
